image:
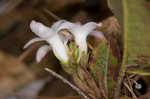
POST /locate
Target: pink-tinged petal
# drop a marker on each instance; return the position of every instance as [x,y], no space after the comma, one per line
[42,51]
[41,30]
[99,24]
[89,27]
[97,34]
[78,23]
[32,41]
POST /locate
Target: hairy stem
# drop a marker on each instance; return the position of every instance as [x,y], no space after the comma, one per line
[67,82]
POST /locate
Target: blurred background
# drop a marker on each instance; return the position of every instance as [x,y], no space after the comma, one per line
[20,76]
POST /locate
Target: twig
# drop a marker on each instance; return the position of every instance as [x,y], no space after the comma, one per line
[126,85]
[52,14]
[8,6]
[67,82]
[130,85]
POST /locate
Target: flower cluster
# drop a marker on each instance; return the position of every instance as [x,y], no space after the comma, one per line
[58,43]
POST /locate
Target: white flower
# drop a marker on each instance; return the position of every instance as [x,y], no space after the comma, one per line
[81,32]
[51,36]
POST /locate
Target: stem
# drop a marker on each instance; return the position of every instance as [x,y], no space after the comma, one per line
[67,82]
[124,59]
[52,14]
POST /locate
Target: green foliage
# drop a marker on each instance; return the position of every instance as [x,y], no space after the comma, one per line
[94,76]
[134,20]
[102,54]
[105,62]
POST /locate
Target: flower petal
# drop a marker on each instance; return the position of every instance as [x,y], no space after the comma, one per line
[90,26]
[41,30]
[81,32]
[59,48]
[64,35]
[99,24]
[32,41]
[57,24]
[42,52]
[78,23]
[97,34]
[66,25]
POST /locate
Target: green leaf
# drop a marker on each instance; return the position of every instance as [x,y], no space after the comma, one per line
[105,63]
[101,55]
[134,19]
